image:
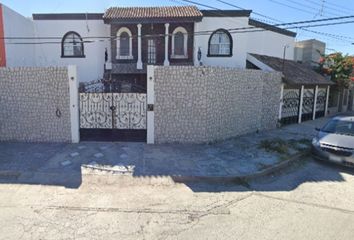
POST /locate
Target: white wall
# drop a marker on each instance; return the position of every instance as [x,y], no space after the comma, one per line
[238,59]
[16,25]
[271,44]
[89,68]
[264,42]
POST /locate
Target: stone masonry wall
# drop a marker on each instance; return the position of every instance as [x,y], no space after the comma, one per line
[34,104]
[206,104]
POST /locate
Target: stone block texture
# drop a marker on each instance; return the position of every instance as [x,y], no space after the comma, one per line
[34,104]
[207,104]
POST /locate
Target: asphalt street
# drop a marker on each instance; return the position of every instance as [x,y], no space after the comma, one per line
[310,200]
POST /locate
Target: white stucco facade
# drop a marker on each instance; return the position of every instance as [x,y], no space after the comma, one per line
[90,67]
[266,42]
[15,25]
[271,44]
[239,51]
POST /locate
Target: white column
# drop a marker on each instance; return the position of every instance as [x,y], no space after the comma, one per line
[139,64]
[281,100]
[301,102]
[166,62]
[315,103]
[74,104]
[327,99]
[150,138]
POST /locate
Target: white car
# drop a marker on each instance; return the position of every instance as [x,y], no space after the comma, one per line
[335,141]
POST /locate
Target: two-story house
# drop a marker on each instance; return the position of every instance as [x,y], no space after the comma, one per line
[118,44]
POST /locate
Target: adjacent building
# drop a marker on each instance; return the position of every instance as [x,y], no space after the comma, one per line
[309,52]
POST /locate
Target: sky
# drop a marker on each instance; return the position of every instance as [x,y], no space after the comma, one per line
[338,37]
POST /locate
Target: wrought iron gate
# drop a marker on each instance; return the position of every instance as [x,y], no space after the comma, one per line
[290,110]
[321,102]
[113,110]
[113,116]
[308,104]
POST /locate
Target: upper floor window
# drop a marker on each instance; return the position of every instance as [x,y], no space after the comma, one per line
[72,45]
[220,44]
[179,43]
[124,44]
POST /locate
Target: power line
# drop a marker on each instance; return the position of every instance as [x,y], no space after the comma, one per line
[341,6]
[315,20]
[322,25]
[255,13]
[276,20]
[330,35]
[292,7]
[310,7]
[289,24]
[200,4]
[322,34]
[326,4]
[231,31]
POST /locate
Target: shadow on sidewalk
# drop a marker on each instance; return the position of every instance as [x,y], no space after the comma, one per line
[63,164]
[22,163]
[307,171]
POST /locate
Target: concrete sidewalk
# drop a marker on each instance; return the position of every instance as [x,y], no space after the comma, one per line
[238,157]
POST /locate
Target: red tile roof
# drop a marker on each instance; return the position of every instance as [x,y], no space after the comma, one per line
[152,12]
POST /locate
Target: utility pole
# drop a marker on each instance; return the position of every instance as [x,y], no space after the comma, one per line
[284,55]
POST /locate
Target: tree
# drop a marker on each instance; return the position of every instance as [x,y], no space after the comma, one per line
[340,68]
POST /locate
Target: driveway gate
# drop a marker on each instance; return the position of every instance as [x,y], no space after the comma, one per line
[113,116]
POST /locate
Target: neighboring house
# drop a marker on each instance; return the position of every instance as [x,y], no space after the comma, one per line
[169,36]
[310,52]
[13,24]
[305,93]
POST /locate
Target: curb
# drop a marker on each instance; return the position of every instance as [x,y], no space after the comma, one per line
[33,177]
[9,174]
[207,179]
[243,178]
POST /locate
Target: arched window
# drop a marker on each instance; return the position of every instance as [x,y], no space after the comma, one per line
[179,43]
[124,44]
[220,44]
[72,45]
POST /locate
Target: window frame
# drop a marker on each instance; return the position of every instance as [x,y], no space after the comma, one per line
[82,55]
[185,43]
[152,51]
[231,44]
[119,33]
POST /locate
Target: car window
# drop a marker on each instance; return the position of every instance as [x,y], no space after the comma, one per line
[339,127]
